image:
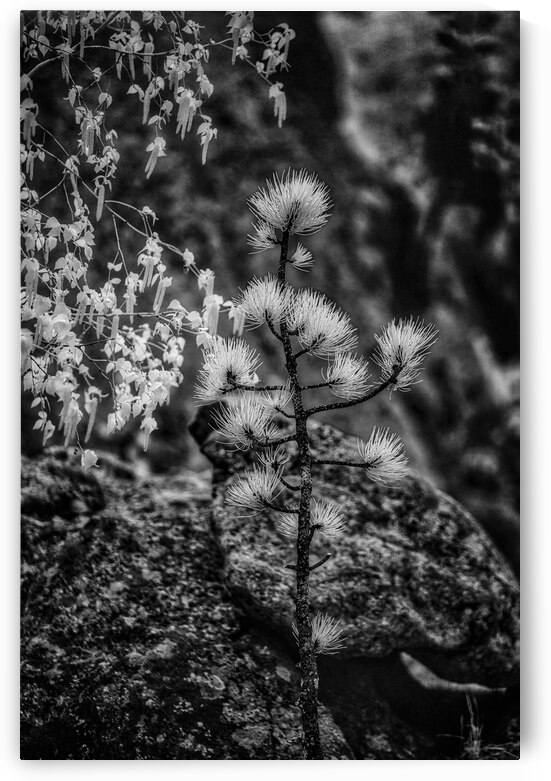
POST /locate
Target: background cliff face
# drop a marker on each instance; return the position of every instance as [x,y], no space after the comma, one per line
[412,120]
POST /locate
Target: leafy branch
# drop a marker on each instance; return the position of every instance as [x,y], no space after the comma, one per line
[138,344]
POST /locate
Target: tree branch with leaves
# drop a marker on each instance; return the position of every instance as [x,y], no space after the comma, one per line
[85,344]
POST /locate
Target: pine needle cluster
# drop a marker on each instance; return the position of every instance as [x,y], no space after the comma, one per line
[228,363]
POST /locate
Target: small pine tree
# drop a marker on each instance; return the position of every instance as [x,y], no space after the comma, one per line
[305,322]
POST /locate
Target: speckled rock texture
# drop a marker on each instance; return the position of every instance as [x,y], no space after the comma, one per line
[54,488]
[414,572]
[131,647]
[140,641]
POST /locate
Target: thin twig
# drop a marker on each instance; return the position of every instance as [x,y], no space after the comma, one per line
[288,485]
[37,67]
[281,508]
[275,442]
[273,330]
[361,464]
[320,562]
[285,414]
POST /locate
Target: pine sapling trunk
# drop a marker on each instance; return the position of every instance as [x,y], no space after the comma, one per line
[308,700]
[308,664]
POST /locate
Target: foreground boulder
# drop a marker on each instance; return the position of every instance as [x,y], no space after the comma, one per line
[140,640]
[131,647]
[413,572]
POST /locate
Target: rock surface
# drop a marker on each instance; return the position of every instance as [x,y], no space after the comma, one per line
[53,488]
[414,571]
[137,644]
[131,648]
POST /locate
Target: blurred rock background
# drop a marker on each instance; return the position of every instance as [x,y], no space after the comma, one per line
[411,118]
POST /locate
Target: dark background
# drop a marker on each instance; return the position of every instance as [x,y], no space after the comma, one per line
[411,118]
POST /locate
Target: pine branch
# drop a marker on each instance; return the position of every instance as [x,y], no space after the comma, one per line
[275,442]
[285,414]
[273,330]
[255,388]
[317,385]
[343,404]
[313,567]
[320,562]
[288,485]
[281,508]
[361,464]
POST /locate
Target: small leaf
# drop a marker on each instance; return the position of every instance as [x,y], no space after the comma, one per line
[25,82]
[100,202]
[88,459]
